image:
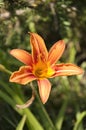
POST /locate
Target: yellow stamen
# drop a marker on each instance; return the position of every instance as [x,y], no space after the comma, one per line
[42,70]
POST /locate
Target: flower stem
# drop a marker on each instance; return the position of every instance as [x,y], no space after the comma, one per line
[4,69]
[46,119]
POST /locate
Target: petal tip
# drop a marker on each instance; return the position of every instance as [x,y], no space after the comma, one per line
[44,100]
[81,71]
[11,51]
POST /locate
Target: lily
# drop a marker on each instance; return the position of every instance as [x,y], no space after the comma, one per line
[41,65]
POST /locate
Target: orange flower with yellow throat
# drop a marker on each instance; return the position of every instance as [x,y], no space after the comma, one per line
[41,65]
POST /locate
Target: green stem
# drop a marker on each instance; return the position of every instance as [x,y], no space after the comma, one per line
[6,98]
[3,69]
[30,117]
[12,99]
[47,121]
[31,121]
[7,71]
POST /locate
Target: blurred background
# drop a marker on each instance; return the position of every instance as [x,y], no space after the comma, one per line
[53,20]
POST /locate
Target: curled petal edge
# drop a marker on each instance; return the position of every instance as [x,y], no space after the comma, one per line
[22,76]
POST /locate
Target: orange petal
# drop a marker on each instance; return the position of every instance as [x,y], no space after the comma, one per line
[22,56]
[44,89]
[56,51]
[39,50]
[23,76]
[67,70]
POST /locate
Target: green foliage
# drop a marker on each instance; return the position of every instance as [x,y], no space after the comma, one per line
[53,20]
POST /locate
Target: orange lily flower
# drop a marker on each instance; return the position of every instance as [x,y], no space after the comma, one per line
[42,65]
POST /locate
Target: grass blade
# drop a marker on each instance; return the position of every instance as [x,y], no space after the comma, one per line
[21,123]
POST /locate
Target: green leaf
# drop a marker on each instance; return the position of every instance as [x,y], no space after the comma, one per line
[80,117]
[21,123]
[61,114]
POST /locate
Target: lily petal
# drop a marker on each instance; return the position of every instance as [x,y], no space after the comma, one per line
[67,70]
[44,89]
[22,56]
[28,103]
[23,76]
[56,51]
[39,50]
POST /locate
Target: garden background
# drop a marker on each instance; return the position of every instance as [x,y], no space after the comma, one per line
[53,20]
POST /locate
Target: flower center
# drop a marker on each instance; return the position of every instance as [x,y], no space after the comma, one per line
[42,70]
